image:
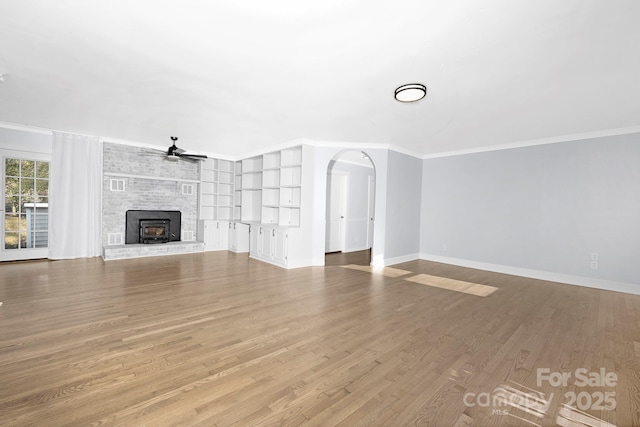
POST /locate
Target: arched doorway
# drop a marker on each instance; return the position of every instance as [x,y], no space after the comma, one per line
[350,209]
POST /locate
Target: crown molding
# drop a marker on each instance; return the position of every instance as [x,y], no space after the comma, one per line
[26,128]
[541,141]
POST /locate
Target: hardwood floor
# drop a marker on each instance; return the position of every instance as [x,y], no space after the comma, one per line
[344,258]
[218,339]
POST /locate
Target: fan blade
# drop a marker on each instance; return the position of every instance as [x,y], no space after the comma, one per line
[194,156]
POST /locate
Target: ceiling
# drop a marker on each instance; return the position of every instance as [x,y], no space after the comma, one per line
[234,77]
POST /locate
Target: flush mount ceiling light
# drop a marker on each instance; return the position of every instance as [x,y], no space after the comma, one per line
[411,92]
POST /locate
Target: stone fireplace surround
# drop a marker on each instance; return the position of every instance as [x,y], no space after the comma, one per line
[145,180]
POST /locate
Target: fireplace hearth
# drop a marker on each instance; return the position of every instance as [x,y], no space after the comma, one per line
[152,226]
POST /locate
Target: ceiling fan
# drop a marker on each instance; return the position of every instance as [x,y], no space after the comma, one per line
[174,153]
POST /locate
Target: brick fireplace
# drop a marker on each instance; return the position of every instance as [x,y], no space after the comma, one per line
[142,179]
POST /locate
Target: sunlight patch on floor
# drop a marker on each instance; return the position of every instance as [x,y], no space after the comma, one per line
[385,271]
[453,285]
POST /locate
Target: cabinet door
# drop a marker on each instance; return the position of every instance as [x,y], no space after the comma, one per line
[208,233]
[241,232]
[233,237]
[266,250]
[254,241]
[223,235]
[280,245]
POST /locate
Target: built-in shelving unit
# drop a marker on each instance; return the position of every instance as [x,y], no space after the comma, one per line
[290,187]
[251,189]
[271,188]
[237,193]
[272,199]
[216,189]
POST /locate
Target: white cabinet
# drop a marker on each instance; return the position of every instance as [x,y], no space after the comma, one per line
[274,200]
[214,234]
[269,244]
[238,237]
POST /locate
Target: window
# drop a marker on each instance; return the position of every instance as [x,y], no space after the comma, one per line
[26,204]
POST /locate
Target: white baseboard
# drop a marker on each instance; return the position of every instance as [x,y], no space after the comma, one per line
[355,249]
[607,285]
[377,262]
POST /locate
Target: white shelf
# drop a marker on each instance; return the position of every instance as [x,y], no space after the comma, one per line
[290,196]
[271,178]
[290,176]
[251,204]
[270,197]
[208,200]
[270,215]
[252,181]
[208,187]
[253,164]
[226,189]
[291,156]
[225,200]
[224,165]
[225,177]
[208,175]
[271,160]
[289,217]
[224,213]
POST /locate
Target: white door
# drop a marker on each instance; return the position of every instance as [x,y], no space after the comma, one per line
[25,206]
[336,211]
[372,189]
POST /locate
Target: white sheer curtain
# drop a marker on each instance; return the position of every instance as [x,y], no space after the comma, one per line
[75,199]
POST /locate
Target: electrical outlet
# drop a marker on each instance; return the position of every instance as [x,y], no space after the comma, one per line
[594,265]
[594,256]
[445,248]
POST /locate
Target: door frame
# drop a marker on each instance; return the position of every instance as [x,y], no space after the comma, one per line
[371,182]
[345,198]
[20,254]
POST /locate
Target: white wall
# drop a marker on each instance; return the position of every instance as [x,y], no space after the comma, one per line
[403,208]
[23,140]
[539,211]
[357,203]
